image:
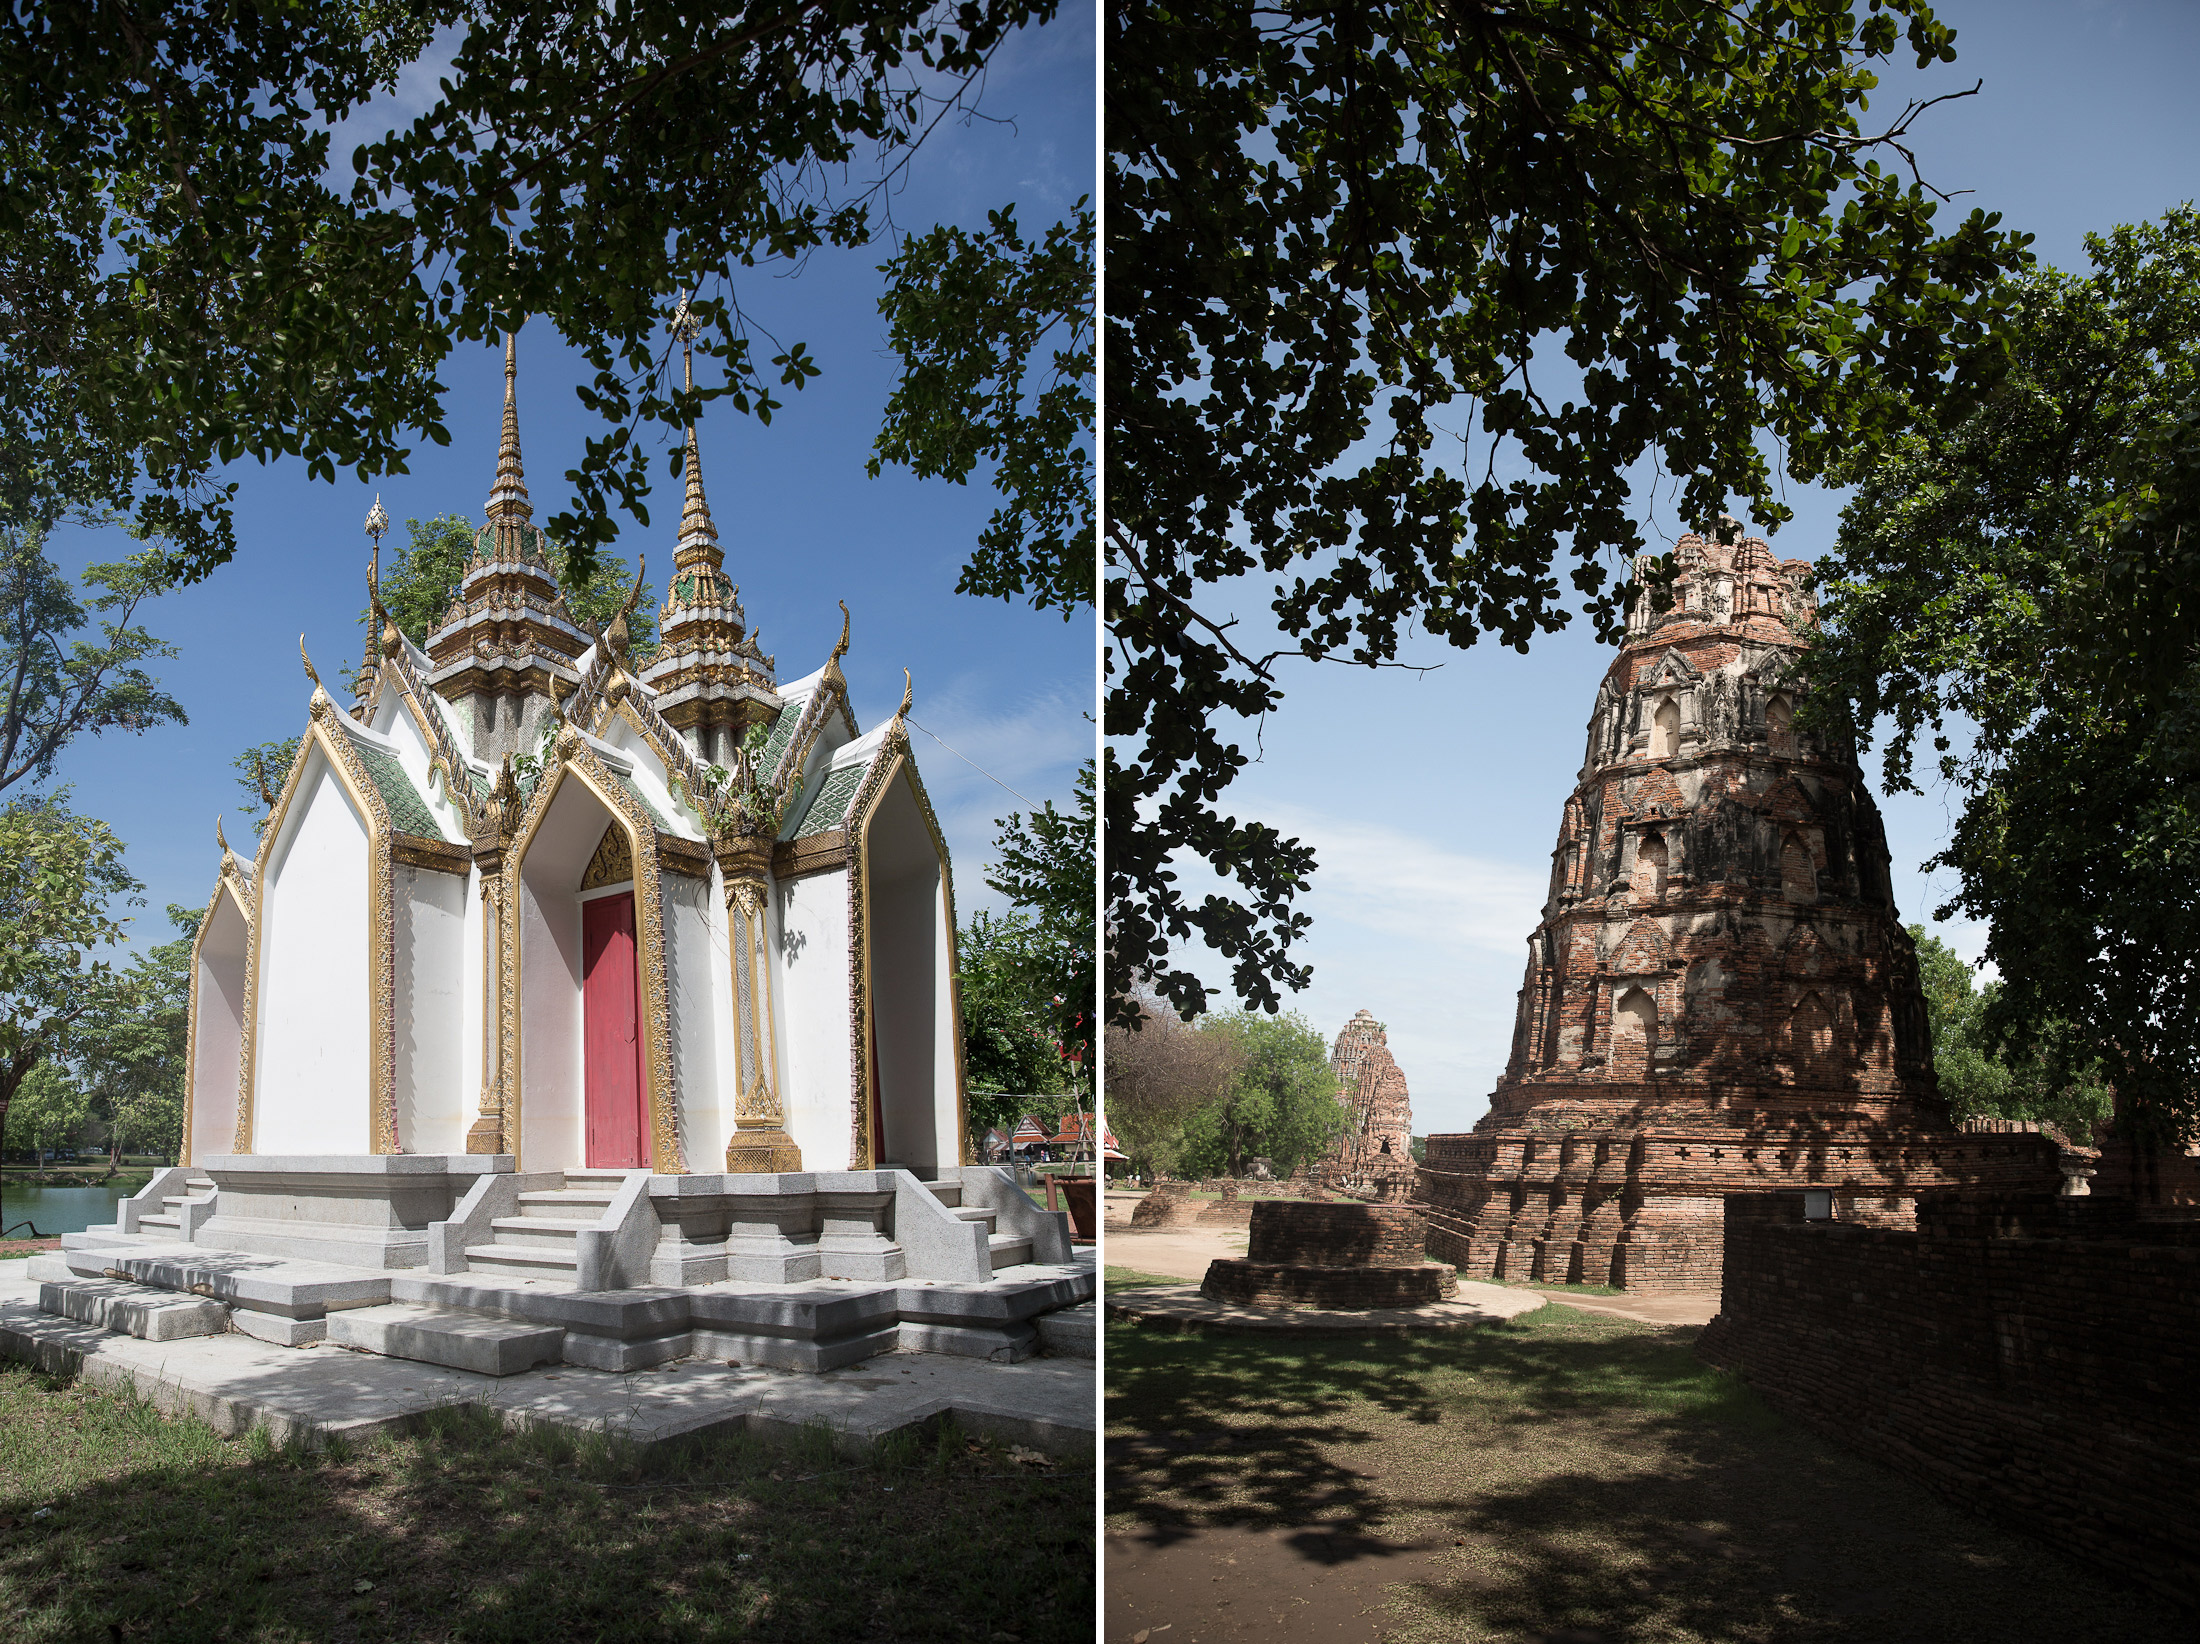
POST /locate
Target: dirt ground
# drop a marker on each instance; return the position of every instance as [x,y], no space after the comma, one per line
[1184,1252]
[1566,1479]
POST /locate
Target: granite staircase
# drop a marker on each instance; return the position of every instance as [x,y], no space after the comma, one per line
[542,1241]
[1006,1249]
[180,1213]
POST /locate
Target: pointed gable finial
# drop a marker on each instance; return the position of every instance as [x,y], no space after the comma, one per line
[220,838]
[908,695]
[308,661]
[840,649]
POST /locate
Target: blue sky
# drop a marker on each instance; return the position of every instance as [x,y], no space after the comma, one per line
[801,524]
[1433,800]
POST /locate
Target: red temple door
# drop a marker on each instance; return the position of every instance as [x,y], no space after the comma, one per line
[610,1034]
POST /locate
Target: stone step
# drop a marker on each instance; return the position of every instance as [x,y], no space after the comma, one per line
[538,1230]
[948,1193]
[458,1341]
[611,1180]
[568,1203]
[1009,1250]
[1071,1333]
[201,1184]
[523,1260]
[173,1222]
[975,1213]
[140,1310]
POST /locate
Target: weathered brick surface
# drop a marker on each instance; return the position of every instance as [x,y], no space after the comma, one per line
[1338,1235]
[1374,1156]
[1720,996]
[2032,1358]
[1267,1284]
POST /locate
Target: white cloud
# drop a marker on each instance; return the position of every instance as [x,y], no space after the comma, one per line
[1431,939]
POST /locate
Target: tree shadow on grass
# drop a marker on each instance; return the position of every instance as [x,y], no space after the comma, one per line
[1584,1479]
[469,1532]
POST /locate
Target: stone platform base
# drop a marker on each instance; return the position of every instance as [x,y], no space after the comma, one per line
[237,1383]
[1183,1307]
[1274,1284]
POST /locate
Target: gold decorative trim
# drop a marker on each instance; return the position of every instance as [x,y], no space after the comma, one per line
[796,858]
[831,692]
[573,759]
[438,854]
[232,882]
[682,769]
[613,863]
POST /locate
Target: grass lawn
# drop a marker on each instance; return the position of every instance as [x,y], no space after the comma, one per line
[117,1522]
[1567,1477]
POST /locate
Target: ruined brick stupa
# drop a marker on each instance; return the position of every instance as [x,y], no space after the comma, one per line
[1375,1154]
[1719,997]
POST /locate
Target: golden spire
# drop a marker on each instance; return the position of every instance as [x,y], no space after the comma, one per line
[511,515]
[698,548]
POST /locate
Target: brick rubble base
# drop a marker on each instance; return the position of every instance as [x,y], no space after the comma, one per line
[1275,1284]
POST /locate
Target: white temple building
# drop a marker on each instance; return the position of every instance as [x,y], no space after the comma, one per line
[584,1008]
[531,896]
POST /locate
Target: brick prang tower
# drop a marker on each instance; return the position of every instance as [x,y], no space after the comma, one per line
[1375,1154]
[1719,997]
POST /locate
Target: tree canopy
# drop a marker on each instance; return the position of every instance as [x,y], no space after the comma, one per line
[63,887]
[2017,584]
[56,682]
[1406,299]
[194,277]
[1047,864]
[968,315]
[1280,1103]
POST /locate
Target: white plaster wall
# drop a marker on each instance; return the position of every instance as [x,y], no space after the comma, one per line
[430,1095]
[310,1078]
[217,1032]
[690,954]
[907,942]
[474,951]
[814,1018]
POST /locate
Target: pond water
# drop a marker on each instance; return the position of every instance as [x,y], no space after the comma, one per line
[57,1210]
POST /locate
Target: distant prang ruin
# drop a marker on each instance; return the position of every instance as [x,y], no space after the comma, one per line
[1719,997]
[1373,1158]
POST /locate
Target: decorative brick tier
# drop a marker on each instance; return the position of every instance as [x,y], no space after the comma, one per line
[1332,1255]
[2031,1358]
[1720,996]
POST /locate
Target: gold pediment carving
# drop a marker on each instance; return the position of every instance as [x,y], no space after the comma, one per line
[613,863]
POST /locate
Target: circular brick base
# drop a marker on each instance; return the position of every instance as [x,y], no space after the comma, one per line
[1273,1284]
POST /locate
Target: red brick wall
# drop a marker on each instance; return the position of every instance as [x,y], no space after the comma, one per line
[1338,1235]
[2032,1358]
